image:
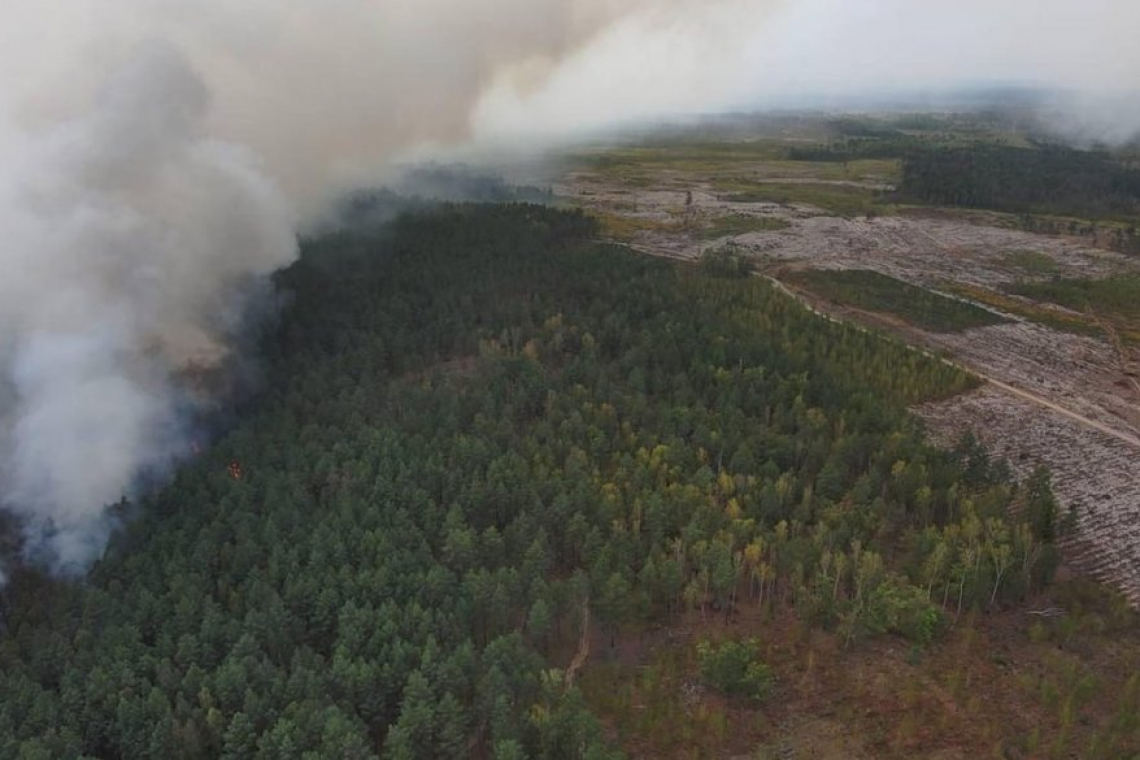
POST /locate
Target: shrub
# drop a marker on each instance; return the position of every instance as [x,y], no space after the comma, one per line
[734,669]
[727,261]
[898,607]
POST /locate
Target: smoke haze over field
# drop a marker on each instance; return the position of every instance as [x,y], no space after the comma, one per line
[325,91]
[157,155]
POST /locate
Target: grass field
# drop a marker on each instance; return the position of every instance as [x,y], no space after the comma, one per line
[1078,324]
[693,159]
[715,160]
[842,200]
[1032,263]
[1115,300]
[624,228]
[877,292]
[1113,297]
[739,224]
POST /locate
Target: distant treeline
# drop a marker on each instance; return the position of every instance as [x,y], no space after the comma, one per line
[428,185]
[1057,190]
[1049,180]
[862,138]
[858,148]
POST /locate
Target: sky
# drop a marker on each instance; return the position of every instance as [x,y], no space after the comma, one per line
[157,158]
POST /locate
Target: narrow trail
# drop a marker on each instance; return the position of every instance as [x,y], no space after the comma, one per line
[1100,427]
[583,652]
[1131,440]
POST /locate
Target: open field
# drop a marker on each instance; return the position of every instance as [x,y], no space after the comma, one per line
[740,224]
[833,197]
[870,290]
[1032,263]
[1112,300]
[1049,344]
[1064,320]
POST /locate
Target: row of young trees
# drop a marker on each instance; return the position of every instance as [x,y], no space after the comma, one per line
[1123,237]
[477,423]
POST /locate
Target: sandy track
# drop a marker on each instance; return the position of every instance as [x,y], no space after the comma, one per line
[1123,437]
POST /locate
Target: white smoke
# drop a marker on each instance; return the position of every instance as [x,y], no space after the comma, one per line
[746,54]
[128,235]
[143,183]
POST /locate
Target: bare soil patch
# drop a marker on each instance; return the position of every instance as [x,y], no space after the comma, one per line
[1094,473]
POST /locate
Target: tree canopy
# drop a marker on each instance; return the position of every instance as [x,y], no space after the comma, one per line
[475,424]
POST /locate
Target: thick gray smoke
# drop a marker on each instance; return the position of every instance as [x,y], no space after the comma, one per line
[790,53]
[157,155]
[129,235]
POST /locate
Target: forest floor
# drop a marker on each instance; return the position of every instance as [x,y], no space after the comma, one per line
[1008,683]
[1062,387]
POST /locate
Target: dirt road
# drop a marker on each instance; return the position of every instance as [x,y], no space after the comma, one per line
[1120,436]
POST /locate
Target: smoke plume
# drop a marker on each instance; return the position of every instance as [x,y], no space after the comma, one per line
[157,156]
[129,237]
